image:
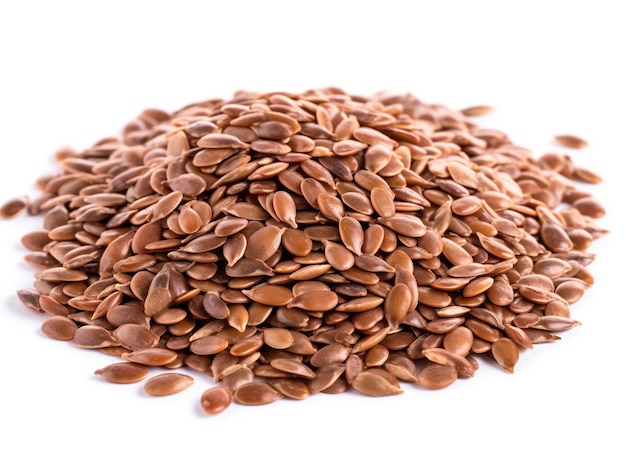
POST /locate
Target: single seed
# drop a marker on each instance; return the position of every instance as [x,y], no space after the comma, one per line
[505,353]
[375,385]
[437,376]
[123,372]
[215,400]
[571,141]
[59,327]
[168,383]
[256,393]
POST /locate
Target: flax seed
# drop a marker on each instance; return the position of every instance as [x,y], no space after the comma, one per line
[290,244]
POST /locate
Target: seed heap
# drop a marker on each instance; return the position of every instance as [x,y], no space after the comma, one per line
[288,244]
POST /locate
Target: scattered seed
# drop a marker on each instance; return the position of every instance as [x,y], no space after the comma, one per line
[571,141]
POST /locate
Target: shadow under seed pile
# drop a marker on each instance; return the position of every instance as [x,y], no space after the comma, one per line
[288,244]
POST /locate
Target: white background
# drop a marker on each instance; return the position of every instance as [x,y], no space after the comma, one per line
[75,72]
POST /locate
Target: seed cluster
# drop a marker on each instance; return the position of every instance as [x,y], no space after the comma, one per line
[288,244]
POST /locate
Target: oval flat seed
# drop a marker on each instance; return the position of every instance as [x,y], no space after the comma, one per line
[135,337]
[154,356]
[382,202]
[256,393]
[291,366]
[407,225]
[374,385]
[352,234]
[326,376]
[338,256]
[437,376]
[59,327]
[459,340]
[505,353]
[263,243]
[13,207]
[215,400]
[445,357]
[570,141]
[317,300]
[123,372]
[168,383]
[278,338]
[273,295]
[208,345]
[94,337]
[402,367]
[397,305]
[358,202]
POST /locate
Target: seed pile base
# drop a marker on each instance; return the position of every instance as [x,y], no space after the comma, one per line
[289,244]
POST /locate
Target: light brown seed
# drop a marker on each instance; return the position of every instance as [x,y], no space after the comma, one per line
[352,234]
[215,400]
[295,389]
[397,305]
[571,141]
[135,337]
[13,207]
[375,385]
[168,383]
[278,338]
[262,244]
[505,353]
[437,376]
[316,300]
[59,327]
[256,393]
[292,367]
[154,356]
[459,340]
[208,345]
[358,202]
[338,256]
[407,225]
[94,337]
[477,110]
[205,229]
[123,372]
[273,295]
[445,357]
